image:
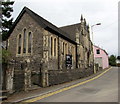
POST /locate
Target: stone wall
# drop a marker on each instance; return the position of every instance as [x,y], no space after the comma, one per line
[18,80]
[84,46]
[58,76]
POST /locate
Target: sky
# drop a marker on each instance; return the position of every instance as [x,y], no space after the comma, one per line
[67,12]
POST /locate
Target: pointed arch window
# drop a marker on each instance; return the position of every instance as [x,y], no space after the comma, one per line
[63,48]
[51,46]
[66,49]
[55,47]
[19,44]
[73,52]
[29,42]
[24,41]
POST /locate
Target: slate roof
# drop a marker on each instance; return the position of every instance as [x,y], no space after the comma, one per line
[71,30]
[43,23]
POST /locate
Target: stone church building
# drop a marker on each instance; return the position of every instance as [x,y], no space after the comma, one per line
[45,55]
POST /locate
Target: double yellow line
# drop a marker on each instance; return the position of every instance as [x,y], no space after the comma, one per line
[64,89]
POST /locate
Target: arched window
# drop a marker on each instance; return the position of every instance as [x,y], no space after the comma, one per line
[55,46]
[66,49]
[51,46]
[63,48]
[24,41]
[19,44]
[29,42]
[73,52]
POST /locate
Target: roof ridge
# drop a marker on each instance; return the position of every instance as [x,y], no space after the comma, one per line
[70,25]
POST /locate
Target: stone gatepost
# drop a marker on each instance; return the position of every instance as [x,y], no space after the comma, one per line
[44,73]
[27,75]
[45,81]
[10,77]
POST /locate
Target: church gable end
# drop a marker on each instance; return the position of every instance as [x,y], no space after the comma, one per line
[30,33]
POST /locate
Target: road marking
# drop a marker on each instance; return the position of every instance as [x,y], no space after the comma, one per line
[64,89]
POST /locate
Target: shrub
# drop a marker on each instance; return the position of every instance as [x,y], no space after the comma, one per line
[5,56]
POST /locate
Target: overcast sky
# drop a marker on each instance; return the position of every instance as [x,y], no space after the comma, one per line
[67,12]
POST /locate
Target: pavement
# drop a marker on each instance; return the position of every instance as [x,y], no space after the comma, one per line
[22,96]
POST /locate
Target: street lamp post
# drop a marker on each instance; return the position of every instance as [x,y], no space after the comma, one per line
[92,29]
[93,42]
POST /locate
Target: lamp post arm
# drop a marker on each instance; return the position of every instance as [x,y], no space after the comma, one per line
[92,29]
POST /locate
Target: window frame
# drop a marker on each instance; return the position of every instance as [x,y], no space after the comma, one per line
[53,47]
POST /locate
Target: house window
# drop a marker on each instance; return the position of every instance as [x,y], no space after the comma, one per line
[19,44]
[29,42]
[24,41]
[98,51]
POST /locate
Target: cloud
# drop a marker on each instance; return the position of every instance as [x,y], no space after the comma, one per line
[65,12]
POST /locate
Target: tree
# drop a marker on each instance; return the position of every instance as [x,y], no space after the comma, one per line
[7,21]
[6,56]
[112,60]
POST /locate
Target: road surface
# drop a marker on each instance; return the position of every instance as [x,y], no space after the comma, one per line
[102,89]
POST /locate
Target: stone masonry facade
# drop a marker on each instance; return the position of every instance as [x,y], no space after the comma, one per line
[42,63]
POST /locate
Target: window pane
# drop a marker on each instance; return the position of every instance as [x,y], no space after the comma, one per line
[98,51]
[51,46]
[54,47]
[19,44]
[24,41]
[29,42]
[63,48]
[73,52]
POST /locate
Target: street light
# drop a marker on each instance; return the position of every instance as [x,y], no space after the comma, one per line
[92,41]
[96,24]
[92,29]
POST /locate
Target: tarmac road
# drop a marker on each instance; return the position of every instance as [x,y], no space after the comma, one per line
[102,89]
